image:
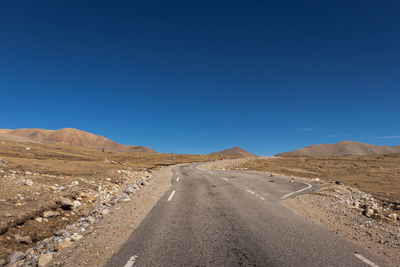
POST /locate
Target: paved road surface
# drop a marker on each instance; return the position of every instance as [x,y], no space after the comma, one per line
[232,218]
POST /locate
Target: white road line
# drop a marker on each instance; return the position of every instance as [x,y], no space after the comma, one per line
[224,178]
[365,260]
[262,198]
[177,179]
[298,191]
[131,261]
[171,196]
[251,192]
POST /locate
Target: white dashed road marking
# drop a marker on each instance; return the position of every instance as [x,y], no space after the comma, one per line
[171,196]
[298,191]
[262,198]
[131,261]
[225,178]
[365,260]
[251,192]
[177,179]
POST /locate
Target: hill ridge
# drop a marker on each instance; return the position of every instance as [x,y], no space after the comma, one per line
[70,136]
[343,148]
[234,151]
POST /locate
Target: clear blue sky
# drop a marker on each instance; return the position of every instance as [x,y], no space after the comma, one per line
[200,76]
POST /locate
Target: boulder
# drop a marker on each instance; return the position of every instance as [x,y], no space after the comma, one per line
[65,203]
[45,260]
[3,163]
[16,256]
[28,182]
[393,216]
[23,239]
[368,212]
[62,245]
[145,183]
[77,204]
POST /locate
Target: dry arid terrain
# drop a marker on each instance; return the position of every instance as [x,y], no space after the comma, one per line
[47,188]
[234,151]
[69,136]
[359,197]
[344,148]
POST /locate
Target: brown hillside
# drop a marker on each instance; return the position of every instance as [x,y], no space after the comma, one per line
[344,148]
[70,136]
[235,151]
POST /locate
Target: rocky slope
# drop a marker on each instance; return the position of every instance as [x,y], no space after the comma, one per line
[344,148]
[68,136]
[235,151]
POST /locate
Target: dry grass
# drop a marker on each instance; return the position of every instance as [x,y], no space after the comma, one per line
[74,160]
[378,175]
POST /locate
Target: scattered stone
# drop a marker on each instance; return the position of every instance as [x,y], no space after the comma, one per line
[7,215]
[28,182]
[23,239]
[54,188]
[16,256]
[64,203]
[397,207]
[28,148]
[45,260]
[317,179]
[39,219]
[105,212]
[76,237]
[3,163]
[393,216]
[77,204]
[144,183]
[50,213]
[62,245]
[28,173]
[130,190]
[338,183]
[368,212]
[90,219]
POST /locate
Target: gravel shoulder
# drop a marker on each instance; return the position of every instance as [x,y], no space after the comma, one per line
[109,234]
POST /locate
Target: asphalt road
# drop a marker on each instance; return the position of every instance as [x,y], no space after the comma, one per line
[233,218]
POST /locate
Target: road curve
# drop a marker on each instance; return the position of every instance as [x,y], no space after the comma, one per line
[232,218]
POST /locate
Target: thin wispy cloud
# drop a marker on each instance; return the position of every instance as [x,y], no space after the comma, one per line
[305,130]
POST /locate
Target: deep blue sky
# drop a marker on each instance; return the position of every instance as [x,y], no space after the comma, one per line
[200,76]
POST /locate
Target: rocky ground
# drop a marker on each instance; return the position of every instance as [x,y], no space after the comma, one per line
[78,204]
[345,210]
[51,196]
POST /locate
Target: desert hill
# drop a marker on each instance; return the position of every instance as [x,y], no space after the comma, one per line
[344,148]
[235,151]
[68,136]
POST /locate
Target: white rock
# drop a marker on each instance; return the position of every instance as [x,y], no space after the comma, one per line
[28,182]
[393,216]
[27,148]
[77,204]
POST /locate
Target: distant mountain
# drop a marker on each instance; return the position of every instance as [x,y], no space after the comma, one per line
[344,148]
[235,151]
[68,136]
